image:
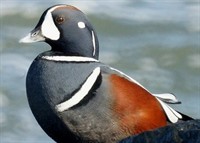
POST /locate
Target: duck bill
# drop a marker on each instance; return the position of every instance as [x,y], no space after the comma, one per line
[34,36]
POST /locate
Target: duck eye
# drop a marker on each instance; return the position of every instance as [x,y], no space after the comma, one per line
[34,34]
[60,19]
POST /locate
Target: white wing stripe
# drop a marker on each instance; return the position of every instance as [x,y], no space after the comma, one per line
[128,77]
[78,96]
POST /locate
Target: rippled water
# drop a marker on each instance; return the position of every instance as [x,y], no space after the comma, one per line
[156,43]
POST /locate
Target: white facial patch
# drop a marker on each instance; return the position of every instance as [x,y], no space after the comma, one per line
[81,93]
[48,28]
[81,25]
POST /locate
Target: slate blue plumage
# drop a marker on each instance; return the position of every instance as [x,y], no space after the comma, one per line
[76,98]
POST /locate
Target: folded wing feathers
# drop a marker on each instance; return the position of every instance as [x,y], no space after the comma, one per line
[172,115]
[167,98]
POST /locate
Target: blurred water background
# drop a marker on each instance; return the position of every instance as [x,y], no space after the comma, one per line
[155,42]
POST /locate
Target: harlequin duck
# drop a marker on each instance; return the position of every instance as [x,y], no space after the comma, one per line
[76,98]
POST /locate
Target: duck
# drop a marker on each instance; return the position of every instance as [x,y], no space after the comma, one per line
[78,99]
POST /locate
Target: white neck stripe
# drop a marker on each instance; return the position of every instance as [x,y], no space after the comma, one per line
[93,42]
[81,93]
[70,59]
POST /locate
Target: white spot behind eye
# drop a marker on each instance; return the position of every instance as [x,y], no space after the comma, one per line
[81,24]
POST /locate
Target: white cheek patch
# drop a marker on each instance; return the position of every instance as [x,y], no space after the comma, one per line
[81,25]
[49,29]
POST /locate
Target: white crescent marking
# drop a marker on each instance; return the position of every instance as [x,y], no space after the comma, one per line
[79,95]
